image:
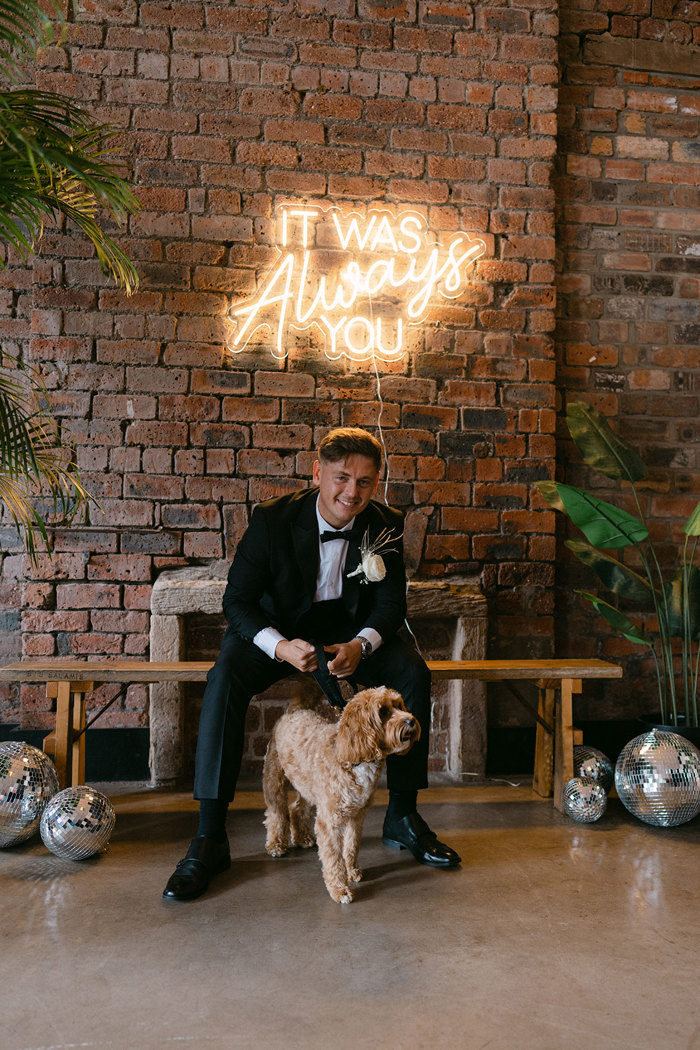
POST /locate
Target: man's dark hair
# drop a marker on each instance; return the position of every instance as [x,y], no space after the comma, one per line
[350,441]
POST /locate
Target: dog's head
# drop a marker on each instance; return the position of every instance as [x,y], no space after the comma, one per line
[374,724]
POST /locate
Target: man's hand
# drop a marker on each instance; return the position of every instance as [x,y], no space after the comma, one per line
[347,657]
[298,653]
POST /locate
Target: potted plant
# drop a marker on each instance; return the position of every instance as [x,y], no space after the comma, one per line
[674,597]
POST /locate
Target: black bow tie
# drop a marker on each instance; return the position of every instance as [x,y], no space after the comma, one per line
[351,534]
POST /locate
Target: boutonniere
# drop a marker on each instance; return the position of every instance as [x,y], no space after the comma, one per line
[372,567]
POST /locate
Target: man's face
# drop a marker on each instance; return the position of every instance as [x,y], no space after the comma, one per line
[345,488]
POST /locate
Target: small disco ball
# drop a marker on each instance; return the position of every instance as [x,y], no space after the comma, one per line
[77,823]
[28,780]
[592,764]
[584,800]
[657,777]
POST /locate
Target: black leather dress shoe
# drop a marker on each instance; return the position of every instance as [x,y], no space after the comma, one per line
[205,858]
[412,833]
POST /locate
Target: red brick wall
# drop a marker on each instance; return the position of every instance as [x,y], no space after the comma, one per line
[228,109]
[628,328]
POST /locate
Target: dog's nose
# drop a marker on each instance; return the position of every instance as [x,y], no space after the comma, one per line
[410,723]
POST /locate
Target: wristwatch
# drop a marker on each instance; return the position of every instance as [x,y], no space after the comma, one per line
[366,646]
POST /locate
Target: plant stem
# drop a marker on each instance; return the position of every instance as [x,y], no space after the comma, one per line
[661,610]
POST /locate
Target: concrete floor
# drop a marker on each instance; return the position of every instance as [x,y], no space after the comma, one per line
[551,935]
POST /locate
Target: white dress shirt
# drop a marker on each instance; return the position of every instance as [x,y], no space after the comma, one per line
[329,585]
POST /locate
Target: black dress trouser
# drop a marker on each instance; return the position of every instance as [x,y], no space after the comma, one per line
[242,670]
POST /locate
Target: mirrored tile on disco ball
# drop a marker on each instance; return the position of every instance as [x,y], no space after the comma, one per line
[28,780]
[657,778]
[584,800]
[591,763]
[78,823]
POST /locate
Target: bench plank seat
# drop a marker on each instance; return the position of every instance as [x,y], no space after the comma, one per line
[68,681]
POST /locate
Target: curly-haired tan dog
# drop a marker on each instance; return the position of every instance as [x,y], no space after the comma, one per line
[335,767]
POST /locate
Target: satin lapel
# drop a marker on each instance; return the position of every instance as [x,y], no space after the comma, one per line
[305,541]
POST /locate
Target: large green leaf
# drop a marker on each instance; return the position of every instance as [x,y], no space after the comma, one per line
[692,525]
[617,619]
[678,599]
[600,446]
[616,576]
[548,491]
[603,524]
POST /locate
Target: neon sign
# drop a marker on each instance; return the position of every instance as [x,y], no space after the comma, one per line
[362,280]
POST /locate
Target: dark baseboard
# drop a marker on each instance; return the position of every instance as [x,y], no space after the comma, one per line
[110,754]
[122,754]
[512,750]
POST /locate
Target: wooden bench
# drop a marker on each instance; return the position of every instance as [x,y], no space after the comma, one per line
[68,682]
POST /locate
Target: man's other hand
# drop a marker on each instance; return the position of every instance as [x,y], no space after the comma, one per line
[347,657]
[298,653]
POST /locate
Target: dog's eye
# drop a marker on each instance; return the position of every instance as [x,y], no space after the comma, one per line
[384,713]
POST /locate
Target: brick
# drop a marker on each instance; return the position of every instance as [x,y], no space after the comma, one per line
[153,486]
[331,106]
[87,595]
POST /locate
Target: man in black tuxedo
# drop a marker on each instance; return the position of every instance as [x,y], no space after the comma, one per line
[293,587]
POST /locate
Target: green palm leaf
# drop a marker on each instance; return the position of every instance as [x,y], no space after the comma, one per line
[617,619]
[35,461]
[54,159]
[692,525]
[600,446]
[24,28]
[603,524]
[616,576]
[548,490]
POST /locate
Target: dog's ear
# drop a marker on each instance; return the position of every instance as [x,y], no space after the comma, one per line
[356,740]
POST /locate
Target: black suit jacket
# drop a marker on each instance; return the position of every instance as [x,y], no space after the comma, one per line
[272,580]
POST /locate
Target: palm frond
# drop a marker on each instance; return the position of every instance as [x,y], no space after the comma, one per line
[24,27]
[54,160]
[35,460]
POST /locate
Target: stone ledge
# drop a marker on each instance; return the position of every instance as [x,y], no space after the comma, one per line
[180,592]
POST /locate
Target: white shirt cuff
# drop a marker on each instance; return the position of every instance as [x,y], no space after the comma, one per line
[268,640]
[372,636]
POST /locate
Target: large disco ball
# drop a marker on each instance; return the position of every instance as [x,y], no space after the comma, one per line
[657,777]
[591,763]
[584,800]
[28,779]
[77,823]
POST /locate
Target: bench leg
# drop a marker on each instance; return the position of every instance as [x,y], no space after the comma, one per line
[63,736]
[77,763]
[564,738]
[544,745]
[67,742]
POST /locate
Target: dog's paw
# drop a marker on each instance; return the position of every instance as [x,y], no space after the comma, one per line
[354,874]
[275,849]
[304,841]
[341,894]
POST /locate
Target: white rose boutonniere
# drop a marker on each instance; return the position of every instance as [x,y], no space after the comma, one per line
[372,567]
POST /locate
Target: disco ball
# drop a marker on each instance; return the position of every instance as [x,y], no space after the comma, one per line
[591,763]
[657,777]
[28,780]
[584,800]
[77,823]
